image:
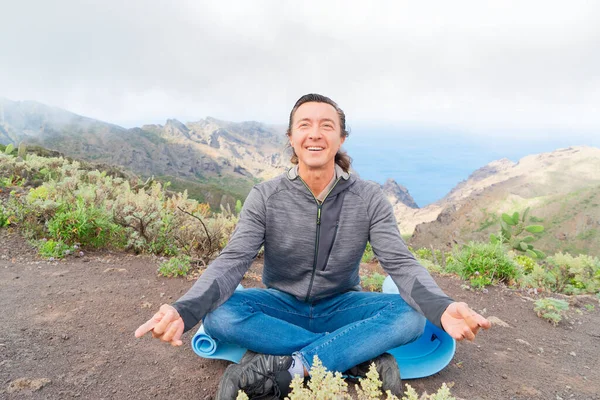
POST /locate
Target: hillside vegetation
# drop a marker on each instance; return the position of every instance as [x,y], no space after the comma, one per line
[217,161]
[64,207]
[562,188]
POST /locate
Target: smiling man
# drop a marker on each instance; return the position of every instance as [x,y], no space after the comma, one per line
[314,222]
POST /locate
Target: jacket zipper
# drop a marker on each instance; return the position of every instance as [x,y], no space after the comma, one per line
[318,234]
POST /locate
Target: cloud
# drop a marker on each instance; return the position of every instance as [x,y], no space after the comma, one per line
[509,65]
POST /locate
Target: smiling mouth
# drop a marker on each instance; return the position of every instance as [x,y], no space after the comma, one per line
[314,148]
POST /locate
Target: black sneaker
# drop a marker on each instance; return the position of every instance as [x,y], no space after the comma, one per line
[262,377]
[248,356]
[388,371]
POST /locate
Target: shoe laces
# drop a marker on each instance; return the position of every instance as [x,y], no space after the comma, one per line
[255,389]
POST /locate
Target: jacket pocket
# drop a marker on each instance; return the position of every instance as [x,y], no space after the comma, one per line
[337,224]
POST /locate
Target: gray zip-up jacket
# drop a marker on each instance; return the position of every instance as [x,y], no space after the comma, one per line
[313,250]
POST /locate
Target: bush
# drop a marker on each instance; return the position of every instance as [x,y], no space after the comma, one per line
[176,266]
[86,225]
[325,385]
[483,264]
[425,254]
[575,275]
[368,255]
[551,309]
[526,263]
[4,217]
[54,249]
[373,282]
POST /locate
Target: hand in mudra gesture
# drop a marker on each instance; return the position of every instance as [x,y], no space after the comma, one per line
[165,325]
[461,322]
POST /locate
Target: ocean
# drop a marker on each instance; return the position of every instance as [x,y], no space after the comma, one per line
[429,163]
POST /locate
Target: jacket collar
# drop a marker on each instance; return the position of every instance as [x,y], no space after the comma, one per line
[292,173]
[346,180]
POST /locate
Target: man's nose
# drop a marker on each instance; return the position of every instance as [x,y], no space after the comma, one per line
[315,133]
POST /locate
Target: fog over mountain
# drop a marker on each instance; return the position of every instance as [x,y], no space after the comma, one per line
[509,68]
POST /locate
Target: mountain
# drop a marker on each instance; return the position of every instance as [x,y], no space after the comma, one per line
[397,193]
[217,161]
[561,187]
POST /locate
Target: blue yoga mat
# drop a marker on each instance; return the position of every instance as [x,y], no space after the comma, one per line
[207,347]
[426,356]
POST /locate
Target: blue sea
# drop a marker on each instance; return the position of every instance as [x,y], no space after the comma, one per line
[430,162]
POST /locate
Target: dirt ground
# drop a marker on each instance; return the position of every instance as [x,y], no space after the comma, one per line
[66,330]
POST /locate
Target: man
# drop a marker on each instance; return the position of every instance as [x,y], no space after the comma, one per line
[314,222]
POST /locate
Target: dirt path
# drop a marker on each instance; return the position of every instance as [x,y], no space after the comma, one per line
[66,330]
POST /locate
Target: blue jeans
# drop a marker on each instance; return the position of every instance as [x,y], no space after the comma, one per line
[343,330]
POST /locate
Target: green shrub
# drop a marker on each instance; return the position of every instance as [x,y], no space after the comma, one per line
[575,275]
[431,266]
[4,217]
[54,248]
[526,263]
[75,203]
[426,254]
[175,266]
[86,225]
[373,282]
[590,307]
[539,277]
[368,255]
[551,309]
[483,264]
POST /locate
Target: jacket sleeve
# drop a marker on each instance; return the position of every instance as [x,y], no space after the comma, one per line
[414,282]
[223,275]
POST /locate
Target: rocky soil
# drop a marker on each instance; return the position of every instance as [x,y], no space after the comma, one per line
[66,331]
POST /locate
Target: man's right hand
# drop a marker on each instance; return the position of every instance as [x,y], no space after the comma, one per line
[165,325]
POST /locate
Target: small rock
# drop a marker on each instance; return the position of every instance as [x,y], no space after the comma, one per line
[114,270]
[146,304]
[27,384]
[498,321]
[504,377]
[573,354]
[526,343]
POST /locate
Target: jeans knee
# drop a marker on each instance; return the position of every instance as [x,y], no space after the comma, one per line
[409,324]
[223,322]
[416,323]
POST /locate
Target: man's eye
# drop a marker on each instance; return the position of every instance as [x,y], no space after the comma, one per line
[328,126]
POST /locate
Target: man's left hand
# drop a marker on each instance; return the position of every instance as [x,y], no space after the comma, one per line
[460,322]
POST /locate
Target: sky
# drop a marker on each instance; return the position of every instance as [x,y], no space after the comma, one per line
[492,68]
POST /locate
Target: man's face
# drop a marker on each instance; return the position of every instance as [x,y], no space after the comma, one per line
[316,136]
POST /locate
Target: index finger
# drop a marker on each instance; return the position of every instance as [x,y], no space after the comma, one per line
[147,326]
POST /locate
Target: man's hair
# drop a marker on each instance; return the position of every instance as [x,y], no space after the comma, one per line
[341,158]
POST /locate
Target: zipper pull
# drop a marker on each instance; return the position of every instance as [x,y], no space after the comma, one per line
[319,215]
